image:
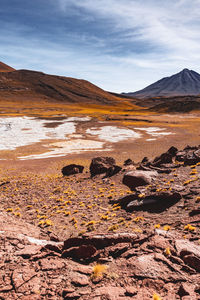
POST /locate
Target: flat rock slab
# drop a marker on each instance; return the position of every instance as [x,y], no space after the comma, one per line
[153,266]
[184,245]
[26,279]
[111,292]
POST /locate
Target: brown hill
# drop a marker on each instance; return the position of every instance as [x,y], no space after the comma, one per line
[180,104]
[5,68]
[30,85]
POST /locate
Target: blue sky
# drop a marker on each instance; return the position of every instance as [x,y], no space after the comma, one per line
[119,45]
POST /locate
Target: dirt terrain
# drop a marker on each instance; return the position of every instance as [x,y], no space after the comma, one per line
[78,237]
[123,227]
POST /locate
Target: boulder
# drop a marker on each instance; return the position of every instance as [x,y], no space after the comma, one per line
[137,178]
[189,155]
[165,158]
[155,202]
[185,246]
[128,162]
[101,165]
[72,169]
[154,266]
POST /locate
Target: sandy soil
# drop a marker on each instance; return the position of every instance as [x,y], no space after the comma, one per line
[42,204]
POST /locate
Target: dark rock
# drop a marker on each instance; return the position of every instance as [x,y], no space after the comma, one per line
[82,252]
[193,261]
[194,212]
[137,178]
[72,169]
[145,160]
[185,290]
[173,150]
[162,164]
[165,158]
[155,202]
[128,162]
[187,148]
[190,155]
[180,155]
[101,165]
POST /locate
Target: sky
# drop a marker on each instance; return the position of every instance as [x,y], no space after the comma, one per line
[119,45]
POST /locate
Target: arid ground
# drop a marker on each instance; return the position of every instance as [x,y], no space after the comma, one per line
[35,193]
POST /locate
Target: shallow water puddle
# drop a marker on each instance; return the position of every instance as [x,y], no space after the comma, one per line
[154,132]
[113,133]
[23,131]
[68,147]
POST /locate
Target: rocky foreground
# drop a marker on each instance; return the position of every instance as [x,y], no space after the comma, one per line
[85,235]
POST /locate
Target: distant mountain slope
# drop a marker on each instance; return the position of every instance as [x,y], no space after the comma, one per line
[28,85]
[184,83]
[5,68]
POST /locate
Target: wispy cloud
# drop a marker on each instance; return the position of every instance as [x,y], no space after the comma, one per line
[120,45]
[168,31]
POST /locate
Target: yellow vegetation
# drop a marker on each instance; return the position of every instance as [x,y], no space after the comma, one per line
[157,226]
[168,251]
[99,270]
[189,227]
[166,227]
[156,297]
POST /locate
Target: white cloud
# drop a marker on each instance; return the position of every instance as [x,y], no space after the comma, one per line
[165,32]
[170,27]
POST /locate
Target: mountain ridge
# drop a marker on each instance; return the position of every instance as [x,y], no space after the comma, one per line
[20,85]
[184,83]
[5,68]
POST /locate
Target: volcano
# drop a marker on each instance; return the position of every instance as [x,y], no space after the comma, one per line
[184,83]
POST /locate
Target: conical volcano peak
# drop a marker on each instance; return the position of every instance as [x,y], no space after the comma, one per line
[186,71]
[184,83]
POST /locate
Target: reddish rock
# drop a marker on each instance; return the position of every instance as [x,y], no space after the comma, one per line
[31,297]
[83,269]
[134,179]
[131,291]
[51,264]
[29,251]
[113,293]
[79,279]
[188,247]
[26,279]
[72,296]
[159,242]
[154,266]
